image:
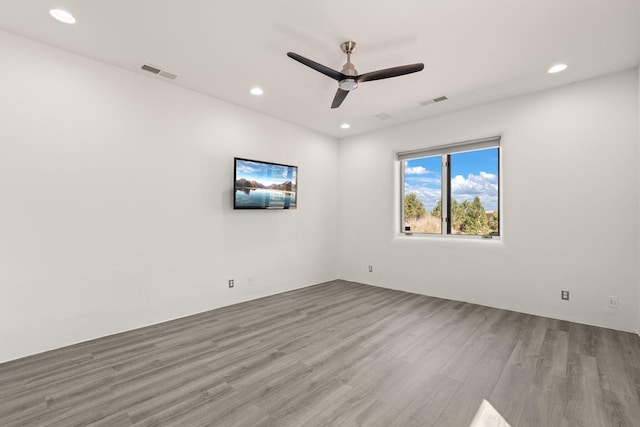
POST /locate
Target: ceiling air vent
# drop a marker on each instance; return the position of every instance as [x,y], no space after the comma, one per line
[434,100]
[151,69]
[158,71]
[167,75]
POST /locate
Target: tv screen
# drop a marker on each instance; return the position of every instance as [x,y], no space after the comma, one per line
[264,185]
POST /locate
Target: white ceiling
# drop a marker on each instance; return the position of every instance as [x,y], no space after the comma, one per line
[474,51]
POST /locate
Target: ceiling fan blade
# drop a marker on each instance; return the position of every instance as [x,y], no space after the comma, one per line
[390,72]
[336,75]
[340,96]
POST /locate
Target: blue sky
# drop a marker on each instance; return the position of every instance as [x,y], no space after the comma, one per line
[266,174]
[473,173]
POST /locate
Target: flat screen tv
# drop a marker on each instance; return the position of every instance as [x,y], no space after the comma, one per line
[264,185]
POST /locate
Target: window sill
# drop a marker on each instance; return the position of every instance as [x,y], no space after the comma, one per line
[459,237]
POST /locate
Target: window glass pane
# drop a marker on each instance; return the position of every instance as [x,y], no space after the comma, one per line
[422,195]
[474,192]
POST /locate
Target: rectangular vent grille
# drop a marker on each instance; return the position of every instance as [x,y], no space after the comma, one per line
[158,71]
[167,75]
[434,100]
[151,69]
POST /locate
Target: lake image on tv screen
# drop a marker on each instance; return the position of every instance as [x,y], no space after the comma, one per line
[264,185]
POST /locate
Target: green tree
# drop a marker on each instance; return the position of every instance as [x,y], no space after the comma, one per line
[458,215]
[469,217]
[437,210]
[494,223]
[476,220]
[413,208]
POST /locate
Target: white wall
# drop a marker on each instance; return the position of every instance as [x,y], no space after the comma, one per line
[569,214]
[115,202]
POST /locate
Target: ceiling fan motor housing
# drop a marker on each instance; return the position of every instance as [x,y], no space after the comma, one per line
[350,83]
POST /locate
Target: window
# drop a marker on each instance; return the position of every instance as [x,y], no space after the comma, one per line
[452,189]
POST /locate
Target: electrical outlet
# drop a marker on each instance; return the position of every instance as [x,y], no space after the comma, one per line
[371,269]
[249,280]
[564,295]
[613,302]
[231,283]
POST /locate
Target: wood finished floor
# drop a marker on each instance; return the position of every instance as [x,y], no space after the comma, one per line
[337,354]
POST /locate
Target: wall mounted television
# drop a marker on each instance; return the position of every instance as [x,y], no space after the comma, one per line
[264,185]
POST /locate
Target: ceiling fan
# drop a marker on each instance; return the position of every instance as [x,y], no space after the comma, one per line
[348,79]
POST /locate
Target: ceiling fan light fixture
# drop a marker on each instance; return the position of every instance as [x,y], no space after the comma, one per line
[348,84]
[63,16]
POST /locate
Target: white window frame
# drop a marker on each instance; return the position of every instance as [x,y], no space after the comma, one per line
[445,151]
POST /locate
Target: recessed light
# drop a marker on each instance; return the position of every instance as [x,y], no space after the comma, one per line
[345,126]
[256,91]
[63,16]
[557,68]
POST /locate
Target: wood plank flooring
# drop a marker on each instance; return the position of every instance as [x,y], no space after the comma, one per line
[335,354]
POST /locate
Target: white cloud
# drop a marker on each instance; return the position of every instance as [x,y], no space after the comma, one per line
[245,168]
[483,186]
[428,196]
[416,170]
